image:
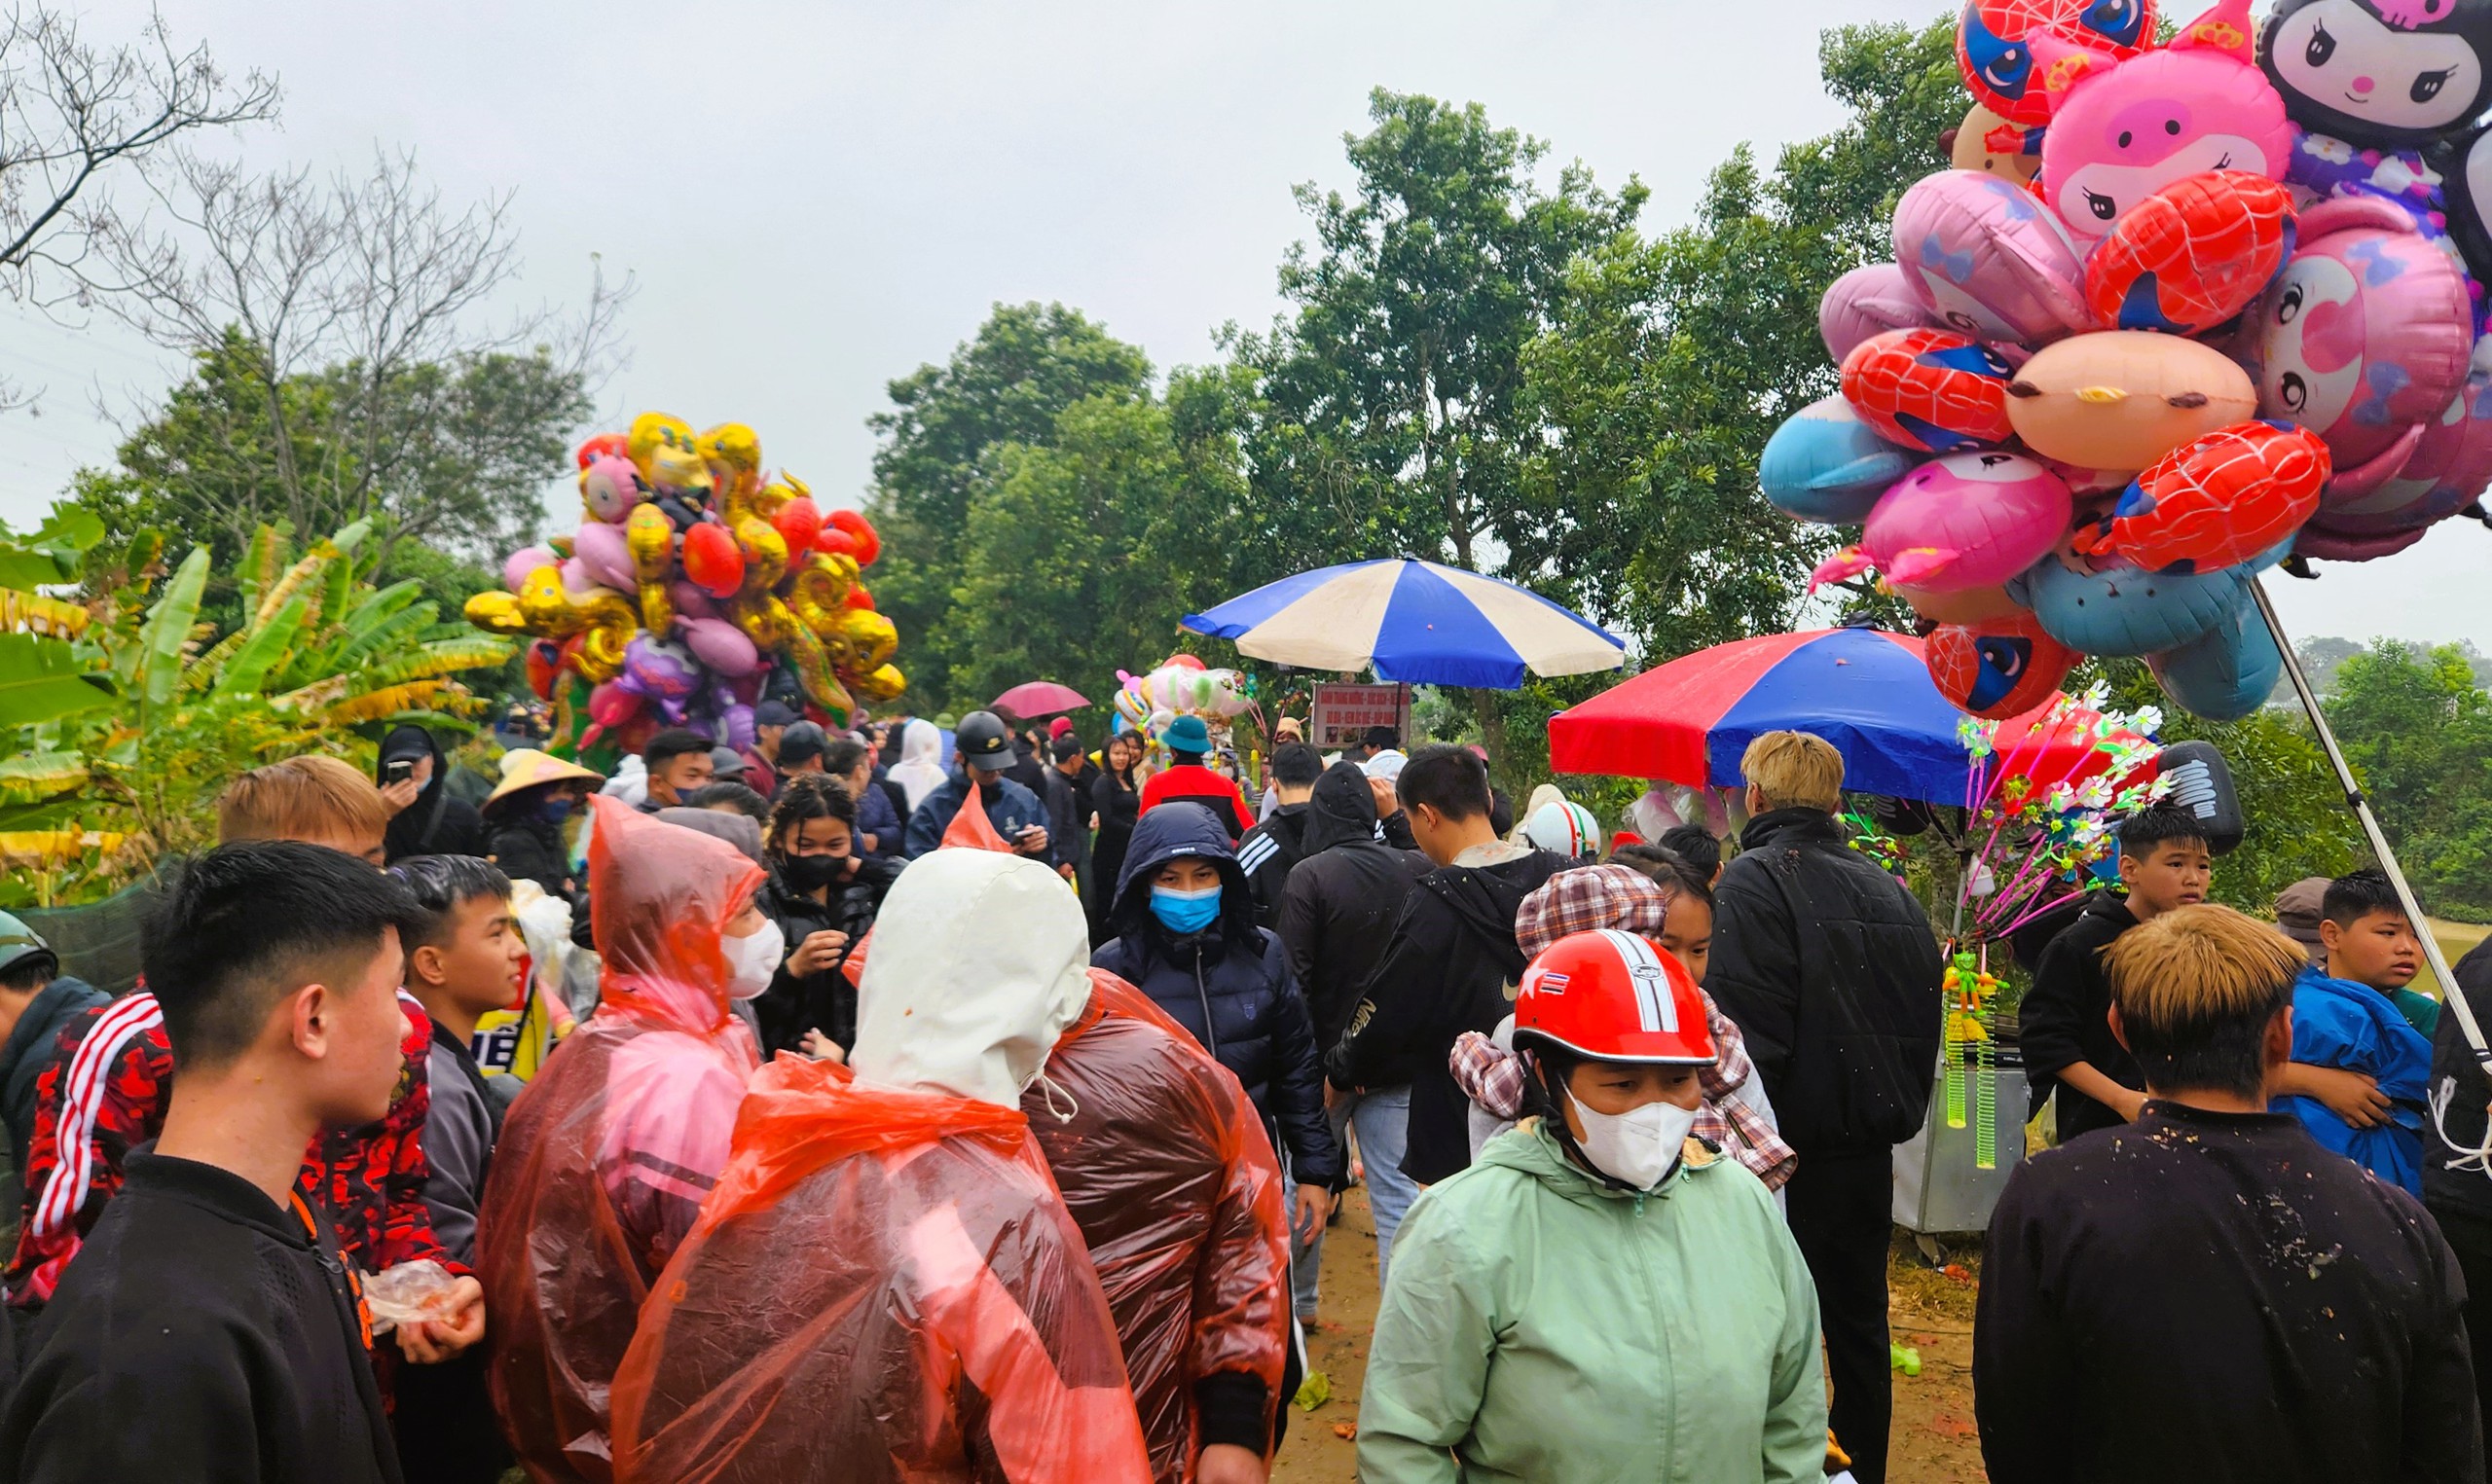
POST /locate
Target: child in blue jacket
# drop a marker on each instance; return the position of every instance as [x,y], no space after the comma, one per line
[2344,1019]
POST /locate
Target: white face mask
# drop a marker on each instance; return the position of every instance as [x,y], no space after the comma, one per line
[752,959]
[1637,1147]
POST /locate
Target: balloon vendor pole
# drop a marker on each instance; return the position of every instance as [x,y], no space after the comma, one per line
[2370,826]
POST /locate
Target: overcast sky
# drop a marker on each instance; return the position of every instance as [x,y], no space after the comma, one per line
[818,197]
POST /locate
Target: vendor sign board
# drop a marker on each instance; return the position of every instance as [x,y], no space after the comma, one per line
[1341,713]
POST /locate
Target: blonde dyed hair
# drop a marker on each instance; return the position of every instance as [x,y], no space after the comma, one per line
[310,798]
[1795,770]
[2196,989]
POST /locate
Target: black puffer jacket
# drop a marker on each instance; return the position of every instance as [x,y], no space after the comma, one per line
[1828,966]
[824,1000]
[439,823]
[1229,985]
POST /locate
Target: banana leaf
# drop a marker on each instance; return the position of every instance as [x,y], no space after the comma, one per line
[43,678]
[54,553]
[249,665]
[167,629]
[34,613]
[38,776]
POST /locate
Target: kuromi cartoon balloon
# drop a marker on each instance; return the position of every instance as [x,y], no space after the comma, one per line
[2463,166]
[1930,389]
[2214,501]
[1963,521]
[1988,260]
[2380,72]
[2364,338]
[1993,53]
[2122,130]
[1865,303]
[1825,464]
[2192,255]
[1998,670]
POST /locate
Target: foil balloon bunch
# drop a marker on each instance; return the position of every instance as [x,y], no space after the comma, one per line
[1180,686]
[2034,833]
[2180,312]
[696,585]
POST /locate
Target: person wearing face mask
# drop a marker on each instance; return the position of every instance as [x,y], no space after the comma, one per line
[605,1158]
[823,893]
[944,1320]
[1186,936]
[1599,1286]
[985,750]
[526,816]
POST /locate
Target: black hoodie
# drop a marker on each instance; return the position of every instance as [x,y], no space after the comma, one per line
[2065,1016]
[1451,966]
[1342,899]
[437,823]
[1267,855]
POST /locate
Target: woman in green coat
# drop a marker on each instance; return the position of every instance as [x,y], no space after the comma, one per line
[1599,1296]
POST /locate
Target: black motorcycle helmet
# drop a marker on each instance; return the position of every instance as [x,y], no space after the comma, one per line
[983,742]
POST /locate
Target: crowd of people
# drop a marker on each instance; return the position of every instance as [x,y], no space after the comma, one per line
[902,1104]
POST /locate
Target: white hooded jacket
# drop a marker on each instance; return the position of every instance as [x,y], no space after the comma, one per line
[920,769]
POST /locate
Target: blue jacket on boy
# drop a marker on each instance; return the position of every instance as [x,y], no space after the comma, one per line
[2354,1027]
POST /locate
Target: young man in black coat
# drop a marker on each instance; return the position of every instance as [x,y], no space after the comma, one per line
[1274,847]
[2205,1292]
[1829,968]
[208,1329]
[2063,1025]
[1452,963]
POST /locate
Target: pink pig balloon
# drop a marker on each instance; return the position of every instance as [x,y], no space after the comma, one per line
[1961,521]
[2122,130]
[1866,302]
[2364,338]
[1985,258]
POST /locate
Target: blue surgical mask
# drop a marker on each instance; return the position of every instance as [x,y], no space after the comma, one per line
[1184,912]
[554,810]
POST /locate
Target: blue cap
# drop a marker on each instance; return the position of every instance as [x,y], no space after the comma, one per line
[1188,733]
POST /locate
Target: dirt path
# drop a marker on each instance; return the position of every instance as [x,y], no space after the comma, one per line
[1935,1441]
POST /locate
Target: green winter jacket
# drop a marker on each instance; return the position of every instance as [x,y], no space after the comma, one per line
[1541,1326]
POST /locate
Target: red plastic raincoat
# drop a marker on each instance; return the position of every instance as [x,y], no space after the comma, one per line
[1168,1172]
[886,1285]
[605,1158]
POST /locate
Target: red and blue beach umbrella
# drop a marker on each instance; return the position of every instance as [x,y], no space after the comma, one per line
[1866,691]
[1415,622]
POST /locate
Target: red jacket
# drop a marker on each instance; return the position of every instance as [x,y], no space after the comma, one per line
[368,1182]
[1192,783]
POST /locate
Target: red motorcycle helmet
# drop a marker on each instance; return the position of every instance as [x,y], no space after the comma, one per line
[1613,997]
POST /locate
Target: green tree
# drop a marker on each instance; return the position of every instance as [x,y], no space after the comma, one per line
[1009,385]
[2418,731]
[1082,551]
[1392,419]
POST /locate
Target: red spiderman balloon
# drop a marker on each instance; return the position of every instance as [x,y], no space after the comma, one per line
[2214,501]
[1930,389]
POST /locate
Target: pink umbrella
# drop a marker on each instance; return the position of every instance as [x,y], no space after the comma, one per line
[1035,699]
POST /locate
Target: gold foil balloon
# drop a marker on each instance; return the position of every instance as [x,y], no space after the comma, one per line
[885,684]
[652,541]
[872,633]
[668,455]
[544,608]
[732,453]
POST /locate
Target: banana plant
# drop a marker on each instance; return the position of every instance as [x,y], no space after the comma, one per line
[130,712]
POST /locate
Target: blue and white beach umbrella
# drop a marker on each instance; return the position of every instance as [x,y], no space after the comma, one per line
[1415,622]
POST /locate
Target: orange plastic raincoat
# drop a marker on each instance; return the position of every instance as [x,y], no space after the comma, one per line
[886,1285]
[605,1160]
[1168,1172]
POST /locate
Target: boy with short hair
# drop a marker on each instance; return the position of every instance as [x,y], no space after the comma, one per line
[464,960]
[678,762]
[2344,1021]
[2065,1026]
[210,1329]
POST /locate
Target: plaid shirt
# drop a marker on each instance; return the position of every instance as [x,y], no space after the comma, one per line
[1626,899]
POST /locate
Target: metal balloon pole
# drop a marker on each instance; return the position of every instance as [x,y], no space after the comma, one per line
[2456,1000]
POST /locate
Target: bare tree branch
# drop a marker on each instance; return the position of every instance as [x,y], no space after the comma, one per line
[71,111]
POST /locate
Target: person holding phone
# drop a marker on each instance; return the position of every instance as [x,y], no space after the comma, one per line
[424,819]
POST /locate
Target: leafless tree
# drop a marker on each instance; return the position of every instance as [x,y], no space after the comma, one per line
[74,113]
[366,281]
